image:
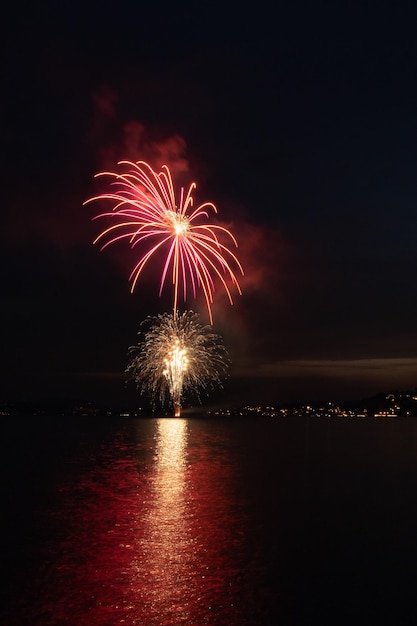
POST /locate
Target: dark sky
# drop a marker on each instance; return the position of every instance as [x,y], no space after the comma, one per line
[298,121]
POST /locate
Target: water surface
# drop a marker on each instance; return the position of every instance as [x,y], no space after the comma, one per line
[208,521]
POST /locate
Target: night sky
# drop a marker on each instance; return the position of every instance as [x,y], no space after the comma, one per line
[299,122]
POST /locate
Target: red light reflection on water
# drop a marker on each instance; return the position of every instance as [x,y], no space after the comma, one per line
[187,572]
[146,533]
[165,569]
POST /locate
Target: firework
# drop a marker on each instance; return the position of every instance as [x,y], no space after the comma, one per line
[177,355]
[151,217]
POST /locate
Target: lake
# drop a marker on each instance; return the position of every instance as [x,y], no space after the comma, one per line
[229,522]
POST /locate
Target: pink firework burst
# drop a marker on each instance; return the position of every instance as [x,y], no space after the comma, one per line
[151,217]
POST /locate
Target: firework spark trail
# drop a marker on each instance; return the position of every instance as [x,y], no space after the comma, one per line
[148,215]
[177,355]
